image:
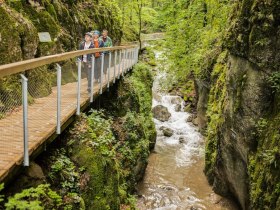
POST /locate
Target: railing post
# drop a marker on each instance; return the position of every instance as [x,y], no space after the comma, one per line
[101,73]
[92,78]
[131,57]
[135,60]
[128,59]
[24,84]
[58,112]
[78,112]
[115,63]
[134,56]
[120,61]
[127,65]
[109,69]
[137,54]
[124,62]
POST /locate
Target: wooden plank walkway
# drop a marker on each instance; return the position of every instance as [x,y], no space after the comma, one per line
[41,122]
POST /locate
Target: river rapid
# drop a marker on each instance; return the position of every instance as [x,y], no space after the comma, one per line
[174,178]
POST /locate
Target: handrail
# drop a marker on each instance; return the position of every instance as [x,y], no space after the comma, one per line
[51,106]
[17,67]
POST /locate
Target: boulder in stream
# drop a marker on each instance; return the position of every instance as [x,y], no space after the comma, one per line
[182,139]
[176,100]
[178,108]
[167,131]
[161,113]
[195,121]
[189,118]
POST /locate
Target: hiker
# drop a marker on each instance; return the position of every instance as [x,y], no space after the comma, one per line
[86,59]
[97,43]
[107,43]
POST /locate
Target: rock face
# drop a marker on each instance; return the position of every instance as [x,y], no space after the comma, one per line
[66,22]
[161,113]
[239,100]
[167,131]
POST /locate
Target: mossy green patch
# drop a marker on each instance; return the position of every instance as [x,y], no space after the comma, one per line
[216,104]
[264,165]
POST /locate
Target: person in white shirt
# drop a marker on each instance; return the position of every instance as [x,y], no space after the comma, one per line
[86,59]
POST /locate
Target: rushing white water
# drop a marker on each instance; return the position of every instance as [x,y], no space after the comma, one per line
[174,178]
[192,146]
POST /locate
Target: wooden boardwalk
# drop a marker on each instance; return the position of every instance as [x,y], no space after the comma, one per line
[41,122]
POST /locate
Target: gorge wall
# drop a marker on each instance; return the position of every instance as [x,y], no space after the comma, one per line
[243,108]
[228,52]
[66,21]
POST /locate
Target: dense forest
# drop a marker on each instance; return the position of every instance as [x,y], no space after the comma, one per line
[224,60]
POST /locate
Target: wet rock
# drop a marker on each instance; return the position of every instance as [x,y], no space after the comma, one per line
[178,108]
[187,108]
[34,171]
[161,113]
[157,96]
[182,139]
[189,118]
[176,100]
[32,176]
[195,121]
[167,131]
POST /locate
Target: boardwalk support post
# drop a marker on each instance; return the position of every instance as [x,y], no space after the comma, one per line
[115,65]
[78,112]
[109,69]
[92,78]
[58,112]
[24,84]
[101,73]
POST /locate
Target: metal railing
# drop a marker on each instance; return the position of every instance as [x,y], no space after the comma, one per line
[30,112]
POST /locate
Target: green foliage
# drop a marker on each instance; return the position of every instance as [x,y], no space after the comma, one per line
[194,33]
[216,103]
[41,197]
[1,196]
[264,166]
[261,125]
[274,81]
[63,173]
[101,136]
[93,150]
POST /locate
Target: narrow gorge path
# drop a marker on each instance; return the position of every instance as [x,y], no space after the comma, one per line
[174,178]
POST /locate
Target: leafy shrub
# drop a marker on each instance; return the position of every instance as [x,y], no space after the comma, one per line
[274,81]
[41,197]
